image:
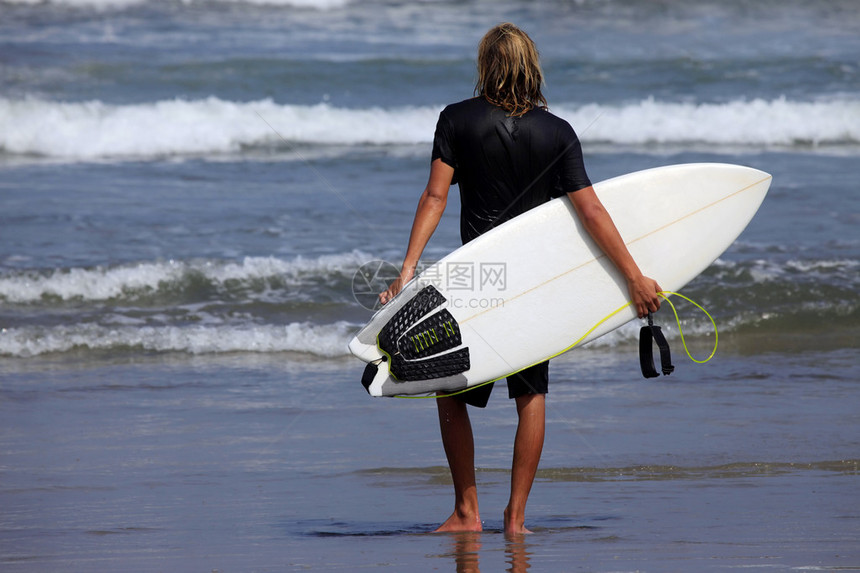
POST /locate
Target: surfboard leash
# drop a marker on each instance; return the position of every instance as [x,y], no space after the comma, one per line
[681,330]
[654,334]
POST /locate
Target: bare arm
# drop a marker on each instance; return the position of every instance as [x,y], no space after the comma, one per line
[598,223]
[431,205]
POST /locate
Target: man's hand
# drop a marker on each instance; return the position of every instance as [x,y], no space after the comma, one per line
[643,294]
[405,276]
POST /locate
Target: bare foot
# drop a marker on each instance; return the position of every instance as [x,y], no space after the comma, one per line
[460,522]
[513,531]
[515,525]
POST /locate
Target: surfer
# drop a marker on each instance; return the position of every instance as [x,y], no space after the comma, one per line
[508,153]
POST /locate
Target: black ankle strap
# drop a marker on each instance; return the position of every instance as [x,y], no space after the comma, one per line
[647,336]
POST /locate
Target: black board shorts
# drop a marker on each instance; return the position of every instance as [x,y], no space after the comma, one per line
[533,380]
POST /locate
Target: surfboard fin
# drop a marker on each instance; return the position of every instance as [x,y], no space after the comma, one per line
[370,372]
[648,335]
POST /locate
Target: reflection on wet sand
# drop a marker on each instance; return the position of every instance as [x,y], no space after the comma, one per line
[517,553]
[466,548]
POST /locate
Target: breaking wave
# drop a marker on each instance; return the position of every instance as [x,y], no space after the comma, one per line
[95,130]
[133,282]
[306,305]
[326,340]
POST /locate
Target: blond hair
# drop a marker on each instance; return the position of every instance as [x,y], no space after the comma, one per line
[509,73]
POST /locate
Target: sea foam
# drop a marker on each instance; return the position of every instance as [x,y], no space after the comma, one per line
[96,130]
[325,340]
[758,122]
[132,280]
[120,4]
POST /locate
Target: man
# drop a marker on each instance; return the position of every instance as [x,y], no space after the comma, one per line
[508,154]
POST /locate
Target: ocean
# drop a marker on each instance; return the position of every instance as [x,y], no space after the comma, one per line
[188,188]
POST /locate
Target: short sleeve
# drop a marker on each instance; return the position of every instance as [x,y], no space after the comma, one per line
[443,143]
[573,176]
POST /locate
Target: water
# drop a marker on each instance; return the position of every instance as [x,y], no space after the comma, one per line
[188,188]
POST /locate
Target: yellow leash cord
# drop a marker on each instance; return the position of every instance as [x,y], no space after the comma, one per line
[681,331]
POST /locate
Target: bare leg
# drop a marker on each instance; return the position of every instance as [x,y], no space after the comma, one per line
[460,449]
[528,446]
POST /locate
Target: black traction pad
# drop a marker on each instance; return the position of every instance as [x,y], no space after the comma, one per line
[415,350]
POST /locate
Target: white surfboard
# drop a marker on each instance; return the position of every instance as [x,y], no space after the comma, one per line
[531,288]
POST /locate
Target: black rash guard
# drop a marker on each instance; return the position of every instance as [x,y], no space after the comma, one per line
[506,165]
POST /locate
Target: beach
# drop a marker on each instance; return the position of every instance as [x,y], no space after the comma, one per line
[225,464]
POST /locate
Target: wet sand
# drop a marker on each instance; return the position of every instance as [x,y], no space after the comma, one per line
[225,464]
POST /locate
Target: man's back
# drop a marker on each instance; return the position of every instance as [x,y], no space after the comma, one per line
[506,165]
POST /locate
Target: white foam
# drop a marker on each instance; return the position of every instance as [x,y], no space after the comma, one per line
[120,4]
[101,283]
[96,130]
[93,130]
[327,340]
[825,271]
[755,122]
